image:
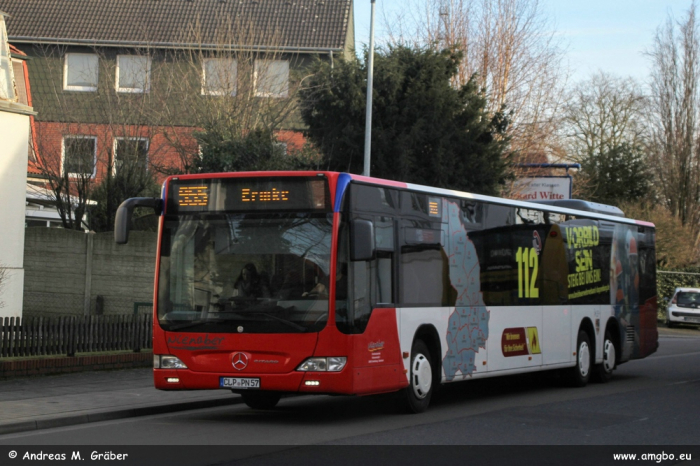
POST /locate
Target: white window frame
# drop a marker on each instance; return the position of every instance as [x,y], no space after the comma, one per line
[284,146]
[22,97]
[114,150]
[63,155]
[69,87]
[233,64]
[258,72]
[134,90]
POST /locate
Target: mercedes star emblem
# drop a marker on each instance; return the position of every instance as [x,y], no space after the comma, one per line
[239,361]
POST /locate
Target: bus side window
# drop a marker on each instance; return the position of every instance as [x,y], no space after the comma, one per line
[424,266]
[382,268]
[360,305]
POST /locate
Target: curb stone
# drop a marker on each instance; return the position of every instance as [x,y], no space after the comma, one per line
[72,420]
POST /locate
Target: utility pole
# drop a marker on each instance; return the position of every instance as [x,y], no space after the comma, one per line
[370,77]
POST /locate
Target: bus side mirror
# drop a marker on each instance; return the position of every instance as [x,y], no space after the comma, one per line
[122,221]
[361,240]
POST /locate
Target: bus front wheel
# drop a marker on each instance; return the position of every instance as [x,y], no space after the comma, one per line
[261,400]
[581,372]
[420,386]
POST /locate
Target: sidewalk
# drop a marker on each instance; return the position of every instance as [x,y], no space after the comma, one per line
[35,403]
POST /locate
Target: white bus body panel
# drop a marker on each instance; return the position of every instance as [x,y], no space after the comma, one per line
[552,345]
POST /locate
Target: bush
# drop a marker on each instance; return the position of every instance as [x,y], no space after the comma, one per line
[675,243]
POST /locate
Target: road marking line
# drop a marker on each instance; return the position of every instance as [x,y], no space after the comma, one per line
[654,358]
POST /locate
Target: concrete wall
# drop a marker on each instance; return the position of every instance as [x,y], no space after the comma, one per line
[14,141]
[65,272]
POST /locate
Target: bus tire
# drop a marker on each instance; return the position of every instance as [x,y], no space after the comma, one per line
[420,387]
[603,372]
[261,400]
[581,372]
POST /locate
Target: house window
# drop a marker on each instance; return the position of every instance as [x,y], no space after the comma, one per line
[219,76]
[79,156]
[271,78]
[7,88]
[133,73]
[20,84]
[281,148]
[80,72]
[130,154]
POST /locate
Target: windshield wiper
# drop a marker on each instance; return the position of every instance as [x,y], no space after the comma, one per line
[194,323]
[296,326]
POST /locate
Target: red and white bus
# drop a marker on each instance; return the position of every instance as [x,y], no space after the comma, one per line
[330,283]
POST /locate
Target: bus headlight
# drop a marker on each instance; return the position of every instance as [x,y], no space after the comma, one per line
[332,364]
[165,361]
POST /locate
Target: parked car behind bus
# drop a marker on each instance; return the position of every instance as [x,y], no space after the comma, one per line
[684,307]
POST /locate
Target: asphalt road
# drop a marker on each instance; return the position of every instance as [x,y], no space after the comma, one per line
[648,402]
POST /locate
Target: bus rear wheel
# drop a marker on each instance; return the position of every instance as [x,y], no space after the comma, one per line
[261,400]
[580,374]
[603,372]
[420,386]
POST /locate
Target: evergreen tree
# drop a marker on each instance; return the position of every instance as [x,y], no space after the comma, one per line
[131,179]
[616,175]
[255,150]
[424,130]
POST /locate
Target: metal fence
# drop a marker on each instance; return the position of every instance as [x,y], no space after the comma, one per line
[39,336]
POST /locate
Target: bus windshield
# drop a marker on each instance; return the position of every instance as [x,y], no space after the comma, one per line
[245,272]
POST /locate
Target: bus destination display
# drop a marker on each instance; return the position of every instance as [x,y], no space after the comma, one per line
[248,194]
[273,195]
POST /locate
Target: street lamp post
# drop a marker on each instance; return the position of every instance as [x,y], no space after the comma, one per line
[368,111]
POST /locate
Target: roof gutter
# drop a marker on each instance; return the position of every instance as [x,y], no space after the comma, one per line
[165,45]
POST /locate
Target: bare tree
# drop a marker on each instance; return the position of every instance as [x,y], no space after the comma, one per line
[227,86]
[513,51]
[601,113]
[602,128]
[220,84]
[674,147]
[84,137]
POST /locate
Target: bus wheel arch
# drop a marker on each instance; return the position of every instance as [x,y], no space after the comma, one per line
[424,370]
[429,335]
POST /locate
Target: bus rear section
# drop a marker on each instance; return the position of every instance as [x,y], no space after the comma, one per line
[272,283]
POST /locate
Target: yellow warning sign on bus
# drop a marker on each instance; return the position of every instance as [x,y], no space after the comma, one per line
[533,340]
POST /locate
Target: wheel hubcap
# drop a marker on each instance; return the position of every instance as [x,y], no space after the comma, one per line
[609,356]
[584,359]
[422,376]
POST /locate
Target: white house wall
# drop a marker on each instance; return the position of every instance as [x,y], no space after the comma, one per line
[14,140]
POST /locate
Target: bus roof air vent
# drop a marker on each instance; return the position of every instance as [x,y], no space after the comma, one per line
[579,204]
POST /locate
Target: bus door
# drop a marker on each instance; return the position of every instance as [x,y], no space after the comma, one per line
[370,316]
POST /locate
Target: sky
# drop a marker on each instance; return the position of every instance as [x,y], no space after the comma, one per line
[597,35]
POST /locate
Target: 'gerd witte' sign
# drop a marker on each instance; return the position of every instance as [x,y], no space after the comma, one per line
[542,189]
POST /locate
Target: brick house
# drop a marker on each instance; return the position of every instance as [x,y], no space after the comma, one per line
[101,70]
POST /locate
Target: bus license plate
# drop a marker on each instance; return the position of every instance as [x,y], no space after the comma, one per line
[240,383]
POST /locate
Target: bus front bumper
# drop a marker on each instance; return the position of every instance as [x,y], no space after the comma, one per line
[293,382]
